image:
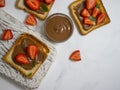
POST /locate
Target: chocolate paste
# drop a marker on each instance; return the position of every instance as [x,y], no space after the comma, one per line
[59,27]
[21,48]
[78,10]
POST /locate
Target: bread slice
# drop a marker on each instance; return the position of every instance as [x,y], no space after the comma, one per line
[80,24]
[9,56]
[21,5]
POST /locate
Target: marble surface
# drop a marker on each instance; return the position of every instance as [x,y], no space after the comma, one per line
[99,68]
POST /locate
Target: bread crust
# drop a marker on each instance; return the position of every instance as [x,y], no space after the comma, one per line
[20,4]
[8,57]
[79,24]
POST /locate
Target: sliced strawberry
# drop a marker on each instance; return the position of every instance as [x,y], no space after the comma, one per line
[48,1]
[88,21]
[32,51]
[90,4]
[75,56]
[85,13]
[7,35]
[31,20]
[2,3]
[96,11]
[101,18]
[33,4]
[22,58]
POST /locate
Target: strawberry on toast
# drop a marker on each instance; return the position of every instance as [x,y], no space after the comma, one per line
[89,15]
[27,55]
[39,8]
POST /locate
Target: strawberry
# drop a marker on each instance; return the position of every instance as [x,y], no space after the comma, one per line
[2,3]
[33,4]
[32,51]
[7,35]
[22,58]
[31,20]
[90,4]
[75,55]
[49,1]
[101,18]
[88,21]
[85,13]
[96,11]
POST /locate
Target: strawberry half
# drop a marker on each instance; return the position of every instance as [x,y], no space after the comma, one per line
[32,51]
[33,4]
[2,3]
[101,18]
[7,35]
[96,11]
[85,13]
[22,58]
[75,56]
[90,4]
[88,21]
[31,20]
[48,1]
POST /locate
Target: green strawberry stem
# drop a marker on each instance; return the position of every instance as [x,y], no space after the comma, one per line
[92,18]
[44,7]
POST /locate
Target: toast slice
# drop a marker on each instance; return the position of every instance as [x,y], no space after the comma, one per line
[23,41]
[76,9]
[41,14]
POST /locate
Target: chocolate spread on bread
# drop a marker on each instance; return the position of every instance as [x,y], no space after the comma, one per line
[21,48]
[78,10]
[40,10]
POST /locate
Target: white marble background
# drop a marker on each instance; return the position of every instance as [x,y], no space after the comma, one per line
[100,52]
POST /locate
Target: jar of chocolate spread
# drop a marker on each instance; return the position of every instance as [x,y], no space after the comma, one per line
[58,27]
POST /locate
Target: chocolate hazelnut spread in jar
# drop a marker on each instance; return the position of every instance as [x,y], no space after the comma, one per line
[58,27]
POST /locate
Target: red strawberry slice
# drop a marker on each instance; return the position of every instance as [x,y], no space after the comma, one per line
[7,35]
[85,13]
[2,3]
[90,4]
[75,56]
[33,4]
[22,58]
[32,51]
[96,11]
[101,18]
[49,1]
[31,20]
[88,21]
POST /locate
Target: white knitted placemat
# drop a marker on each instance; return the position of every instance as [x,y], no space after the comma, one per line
[9,22]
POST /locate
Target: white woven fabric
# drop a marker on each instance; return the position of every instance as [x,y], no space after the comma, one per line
[7,21]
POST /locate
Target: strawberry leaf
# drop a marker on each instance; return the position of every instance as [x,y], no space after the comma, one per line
[34,63]
[98,6]
[44,7]
[29,74]
[92,18]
